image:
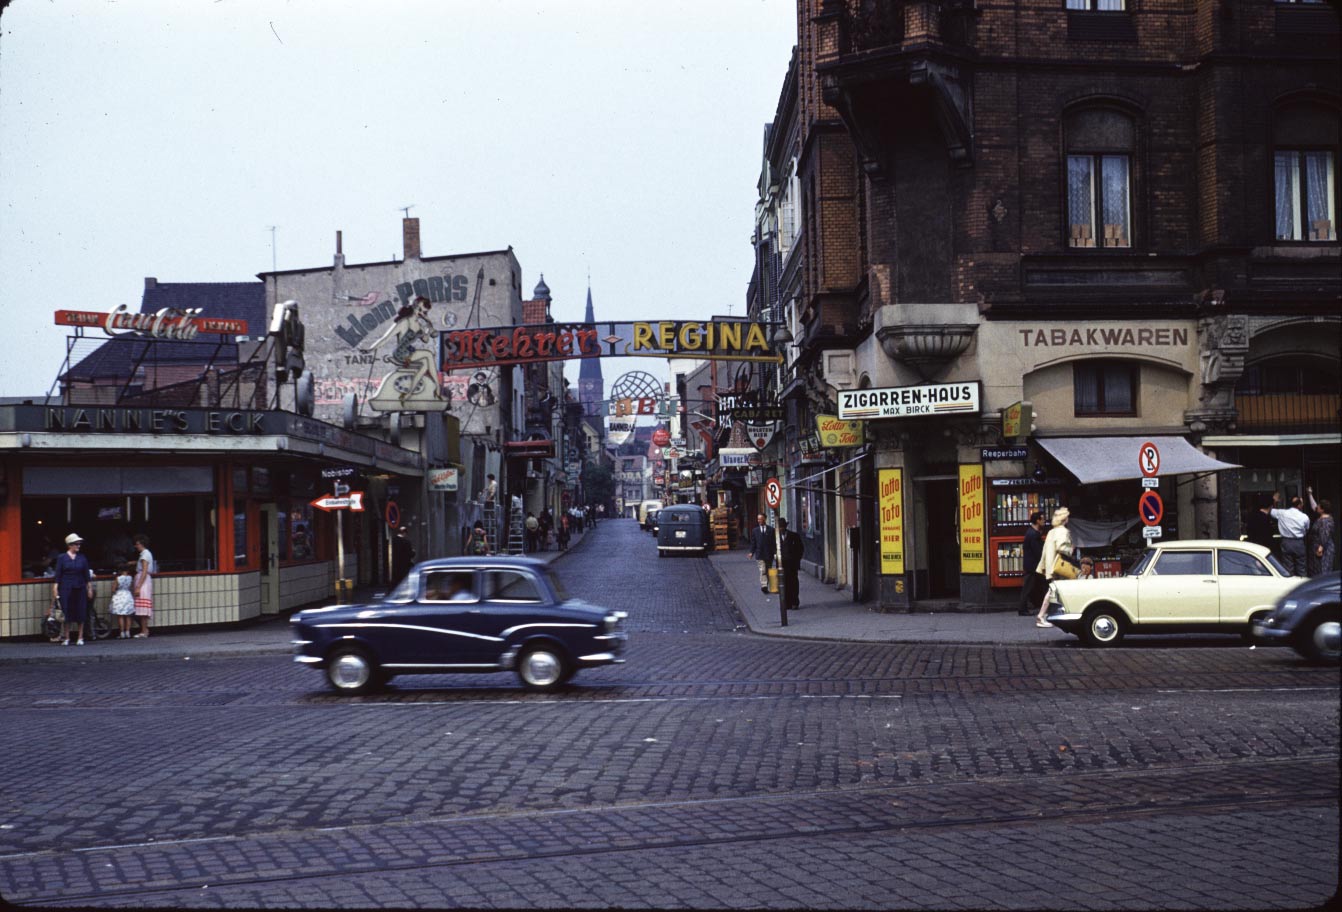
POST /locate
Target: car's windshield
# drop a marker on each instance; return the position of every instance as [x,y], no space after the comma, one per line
[1142,562]
[561,594]
[405,589]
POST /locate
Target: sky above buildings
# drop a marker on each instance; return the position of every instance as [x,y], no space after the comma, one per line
[616,138]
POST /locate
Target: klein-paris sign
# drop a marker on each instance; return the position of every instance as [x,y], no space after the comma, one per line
[907,401]
[707,340]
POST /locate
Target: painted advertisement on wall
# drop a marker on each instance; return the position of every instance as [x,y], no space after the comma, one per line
[374,330]
[973,535]
[890,499]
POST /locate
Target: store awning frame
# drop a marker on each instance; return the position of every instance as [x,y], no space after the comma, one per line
[1093,460]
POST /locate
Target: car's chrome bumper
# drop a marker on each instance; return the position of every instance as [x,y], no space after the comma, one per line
[1064,620]
[1267,632]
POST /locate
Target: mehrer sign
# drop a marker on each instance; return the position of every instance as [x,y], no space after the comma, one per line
[909,401]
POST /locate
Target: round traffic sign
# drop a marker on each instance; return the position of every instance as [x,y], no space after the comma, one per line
[393,515]
[773,493]
[1148,460]
[1150,508]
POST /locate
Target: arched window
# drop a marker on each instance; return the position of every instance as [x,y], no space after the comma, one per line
[1100,143]
[1305,145]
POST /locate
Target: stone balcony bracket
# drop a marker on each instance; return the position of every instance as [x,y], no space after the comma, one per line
[927,337]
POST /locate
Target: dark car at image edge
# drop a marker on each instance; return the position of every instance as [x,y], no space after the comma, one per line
[1308,619]
[462,615]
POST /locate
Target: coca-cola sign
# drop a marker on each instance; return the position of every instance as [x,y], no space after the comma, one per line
[168,323]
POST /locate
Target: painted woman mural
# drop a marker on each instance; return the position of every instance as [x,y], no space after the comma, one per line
[413,385]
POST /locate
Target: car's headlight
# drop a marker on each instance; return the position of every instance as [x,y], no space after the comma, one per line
[614,619]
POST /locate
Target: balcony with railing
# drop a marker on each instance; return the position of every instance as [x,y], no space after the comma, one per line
[867,25]
[1288,413]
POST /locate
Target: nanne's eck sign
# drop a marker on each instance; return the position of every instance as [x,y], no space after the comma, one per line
[909,401]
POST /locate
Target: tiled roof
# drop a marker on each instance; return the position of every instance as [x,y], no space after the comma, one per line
[534,311]
[236,300]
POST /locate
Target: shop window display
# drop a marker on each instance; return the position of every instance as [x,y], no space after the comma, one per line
[181,526]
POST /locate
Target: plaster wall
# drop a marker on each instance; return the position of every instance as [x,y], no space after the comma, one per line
[346,308]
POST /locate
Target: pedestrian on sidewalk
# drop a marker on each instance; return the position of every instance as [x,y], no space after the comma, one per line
[123,599]
[1323,540]
[762,548]
[790,551]
[1058,541]
[142,588]
[1032,587]
[478,544]
[1259,527]
[73,585]
[1293,525]
[533,526]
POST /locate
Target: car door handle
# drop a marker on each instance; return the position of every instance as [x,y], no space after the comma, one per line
[1209,581]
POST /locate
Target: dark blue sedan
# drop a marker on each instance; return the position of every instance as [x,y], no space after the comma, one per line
[462,615]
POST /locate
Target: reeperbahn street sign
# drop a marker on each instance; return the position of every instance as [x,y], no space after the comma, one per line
[704,340]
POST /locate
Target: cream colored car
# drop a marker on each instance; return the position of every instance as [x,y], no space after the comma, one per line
[1175,587]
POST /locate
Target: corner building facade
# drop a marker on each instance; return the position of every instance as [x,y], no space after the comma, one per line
[1125,218]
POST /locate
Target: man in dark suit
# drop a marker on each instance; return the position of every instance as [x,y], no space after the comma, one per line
[790,550]
[1261,528]
[762,548]
[1032,585]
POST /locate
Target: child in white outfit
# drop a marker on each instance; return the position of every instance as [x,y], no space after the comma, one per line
[123,601]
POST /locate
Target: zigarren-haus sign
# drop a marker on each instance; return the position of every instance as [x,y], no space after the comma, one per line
[705,340]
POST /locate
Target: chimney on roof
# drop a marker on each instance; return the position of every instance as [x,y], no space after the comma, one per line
[150,283]
[340,250]
[410,237]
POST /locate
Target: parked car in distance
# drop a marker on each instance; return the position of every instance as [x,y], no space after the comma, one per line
[684,529]
[645,508]
[1174,587]
[462,615]
[1308,619]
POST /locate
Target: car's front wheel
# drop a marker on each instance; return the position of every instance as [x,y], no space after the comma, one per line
[542,668]
[1320,641]
[1104,626]
[352,671]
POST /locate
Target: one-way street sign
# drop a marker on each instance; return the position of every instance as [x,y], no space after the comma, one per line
[352,501]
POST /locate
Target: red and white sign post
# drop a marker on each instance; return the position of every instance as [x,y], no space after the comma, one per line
[341,500]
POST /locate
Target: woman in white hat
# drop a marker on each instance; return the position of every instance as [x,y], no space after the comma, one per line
[71,586]
[1058,541]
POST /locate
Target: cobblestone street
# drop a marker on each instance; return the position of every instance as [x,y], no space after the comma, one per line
[716,769]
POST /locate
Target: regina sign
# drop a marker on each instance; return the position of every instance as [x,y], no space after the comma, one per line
[908,401]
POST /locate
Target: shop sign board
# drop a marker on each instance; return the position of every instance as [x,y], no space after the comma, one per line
[1016,419]
[619,430]
[837,434]
[661,437]
[734,457]
[671,452]
[703,340]
[167,323]
[910,401]
[443,479]
[972,529]
[890,500]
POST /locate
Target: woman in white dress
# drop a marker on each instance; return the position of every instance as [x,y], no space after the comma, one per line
[142,588]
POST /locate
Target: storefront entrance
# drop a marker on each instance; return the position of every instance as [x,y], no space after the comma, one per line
[941,505]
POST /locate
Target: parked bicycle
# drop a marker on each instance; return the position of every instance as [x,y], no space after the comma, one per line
[96,627]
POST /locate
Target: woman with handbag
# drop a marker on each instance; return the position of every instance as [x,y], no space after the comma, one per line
[1057,543]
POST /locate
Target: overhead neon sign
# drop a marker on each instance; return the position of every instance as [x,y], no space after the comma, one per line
[703,340]
[168,323]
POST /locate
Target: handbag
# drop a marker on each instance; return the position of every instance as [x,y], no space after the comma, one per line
[1064,568]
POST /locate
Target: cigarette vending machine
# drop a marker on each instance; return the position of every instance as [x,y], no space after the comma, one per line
[1010,503]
